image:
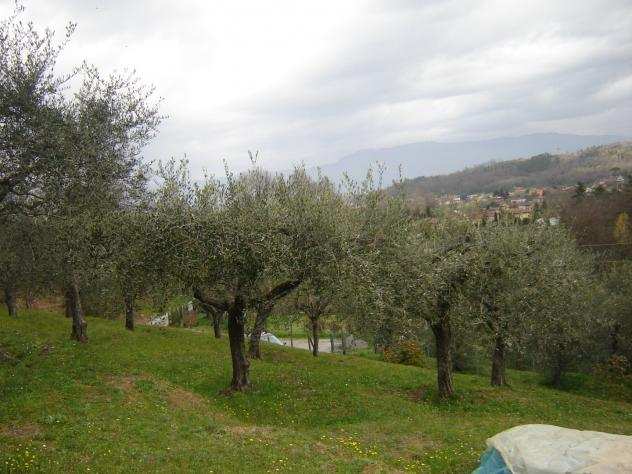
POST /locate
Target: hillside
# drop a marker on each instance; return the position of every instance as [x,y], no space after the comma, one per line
[150,401]
[434,158]
[546,169]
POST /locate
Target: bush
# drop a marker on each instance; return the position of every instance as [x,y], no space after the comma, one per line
[406,352]
[615,367]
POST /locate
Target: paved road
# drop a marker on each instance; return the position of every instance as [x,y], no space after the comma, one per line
[323,346]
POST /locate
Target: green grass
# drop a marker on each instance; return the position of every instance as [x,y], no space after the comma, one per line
[150,401]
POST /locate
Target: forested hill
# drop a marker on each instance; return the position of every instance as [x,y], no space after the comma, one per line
[546,169]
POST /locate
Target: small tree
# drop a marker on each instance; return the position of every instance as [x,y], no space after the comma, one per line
[505,284]
[560,326]
[315,299]
[132,267]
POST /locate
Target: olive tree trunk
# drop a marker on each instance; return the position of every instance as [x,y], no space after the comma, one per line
[68,301]
[28,299]
[291,334]
[217,323]
[498,363]
[315,326]
[129,311]
[264,309]
[236,334]
[10,301]
[443,342]
[254,348]
[558,369]
[79,325]
[216,316]
[614,339]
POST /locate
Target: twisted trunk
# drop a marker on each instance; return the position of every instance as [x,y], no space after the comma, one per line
[10,301]
[254,348]
[498,362]
[79,325]
[129,311]
[236,322]
[443,341]
[214,309]
[264,308]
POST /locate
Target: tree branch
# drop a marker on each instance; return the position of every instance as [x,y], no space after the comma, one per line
[281,290]
[208,301]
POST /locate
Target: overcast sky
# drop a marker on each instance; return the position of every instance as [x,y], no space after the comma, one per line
[313,80]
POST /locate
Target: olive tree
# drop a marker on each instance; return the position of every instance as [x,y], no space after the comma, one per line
[131,265]
[379,224]
[315,298]
[617,283]
[504,285]
[415,271]
[565,314]
[106,124]
[315,222]
[30,112]
[433,268]
[243,243]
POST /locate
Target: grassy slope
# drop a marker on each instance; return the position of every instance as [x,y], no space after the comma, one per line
[150,401]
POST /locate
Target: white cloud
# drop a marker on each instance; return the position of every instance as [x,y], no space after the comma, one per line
[307,80]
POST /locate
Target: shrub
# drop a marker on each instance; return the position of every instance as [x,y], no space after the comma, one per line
[616,366]
[407,352]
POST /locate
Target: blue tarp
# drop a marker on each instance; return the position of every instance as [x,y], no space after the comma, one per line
[492,463]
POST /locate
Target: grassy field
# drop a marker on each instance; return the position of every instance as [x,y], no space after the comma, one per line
[150,401]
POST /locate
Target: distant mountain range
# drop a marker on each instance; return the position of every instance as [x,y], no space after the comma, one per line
[546,169]
[434,158]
